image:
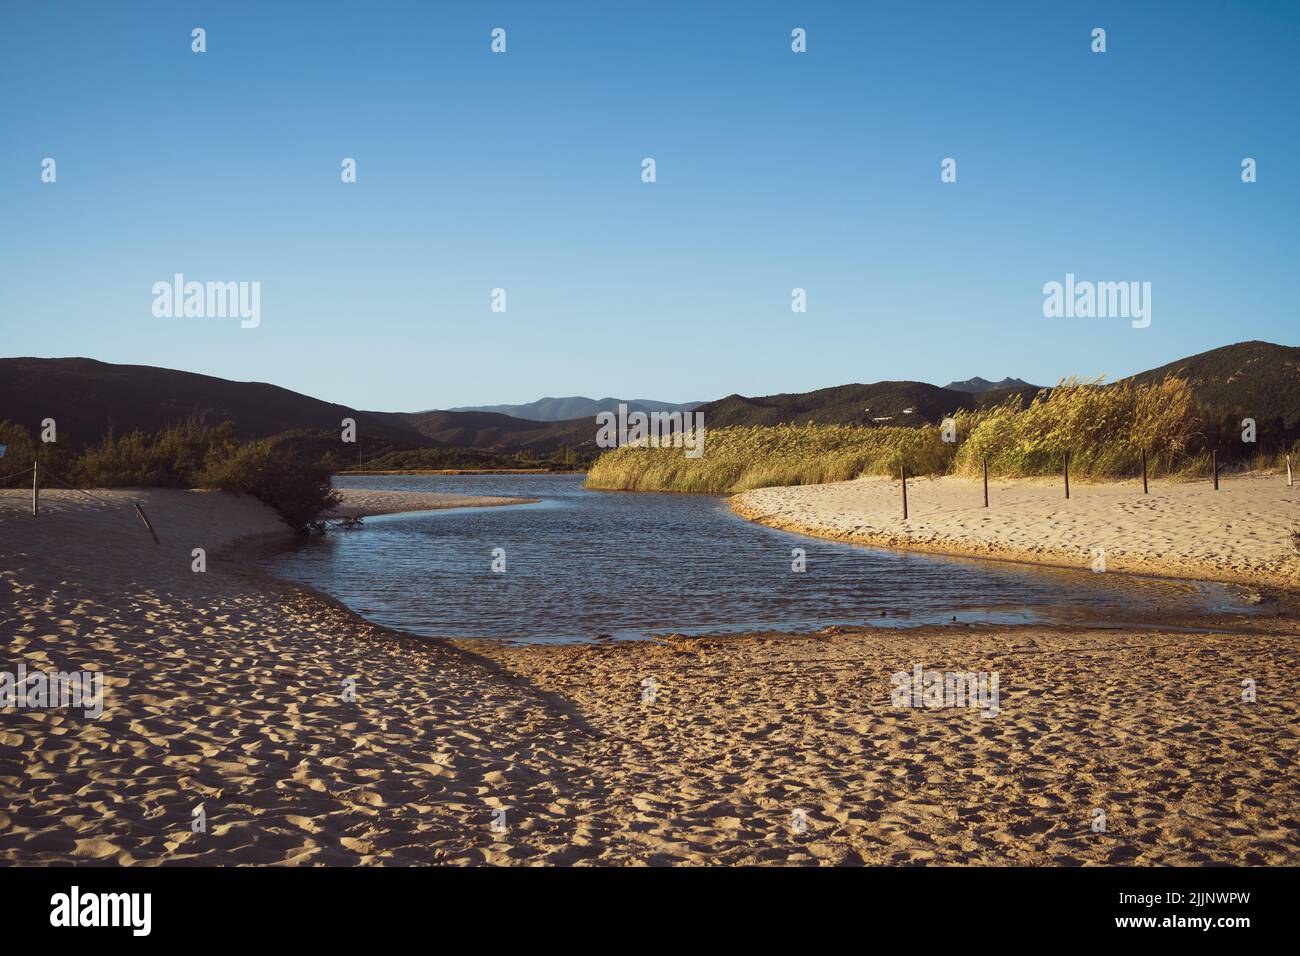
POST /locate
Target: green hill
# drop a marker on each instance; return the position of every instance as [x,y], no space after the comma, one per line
[1256,379]
[881,403]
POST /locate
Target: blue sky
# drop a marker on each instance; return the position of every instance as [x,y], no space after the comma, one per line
[523,171]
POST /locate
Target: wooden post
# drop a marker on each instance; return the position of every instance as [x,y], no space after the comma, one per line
[36,489]
[1214,461]
[145,519]
[1288,471]
[902,473]
[986,481]
[1067,474]
[1144,471]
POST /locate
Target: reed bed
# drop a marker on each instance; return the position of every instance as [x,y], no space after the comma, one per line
[1105,428]
[745,457]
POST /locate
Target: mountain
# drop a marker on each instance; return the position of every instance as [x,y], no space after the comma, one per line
[881,403]
[979,385]
[86,398]
[567,409]
[1255,378]
[496,432]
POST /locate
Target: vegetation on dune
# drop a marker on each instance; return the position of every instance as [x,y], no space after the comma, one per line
[16,465]
[176,457]
[190,455]
[1105,428]
[291,471]
[298,488]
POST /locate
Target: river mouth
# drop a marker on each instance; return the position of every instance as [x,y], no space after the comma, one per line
[593,565]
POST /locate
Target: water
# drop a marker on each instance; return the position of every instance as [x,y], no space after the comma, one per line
[582,564]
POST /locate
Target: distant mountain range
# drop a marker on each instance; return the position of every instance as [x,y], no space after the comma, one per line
[576,406]
[87,398]
[978,385]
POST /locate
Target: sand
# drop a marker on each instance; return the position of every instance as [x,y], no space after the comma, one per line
[226,693]
[743,732]
[1245,532]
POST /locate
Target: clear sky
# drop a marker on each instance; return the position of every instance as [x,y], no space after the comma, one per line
[522,171]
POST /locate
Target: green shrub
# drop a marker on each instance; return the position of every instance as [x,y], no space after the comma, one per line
[16,465]
[172,458]
[295,486]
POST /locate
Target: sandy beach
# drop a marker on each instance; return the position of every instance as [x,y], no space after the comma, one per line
[1245,532]
[226,691]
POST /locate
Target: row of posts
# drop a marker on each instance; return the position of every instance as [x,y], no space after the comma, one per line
[1214,464]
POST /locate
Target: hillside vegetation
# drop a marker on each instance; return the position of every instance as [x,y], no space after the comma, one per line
[1105,428]
[90,399]
[1258,379]
[576,406]
[886,404]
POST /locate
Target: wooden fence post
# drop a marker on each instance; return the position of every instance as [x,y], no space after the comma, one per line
[902,473]
[145,519]
[986,481]
[36,488]
[1214,461]
[1144,471]
[1067,474]
[1288,471]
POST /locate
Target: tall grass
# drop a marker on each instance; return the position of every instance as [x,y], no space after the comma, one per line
[1105,428]
[744,457]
